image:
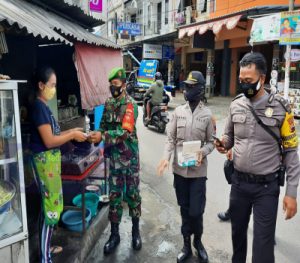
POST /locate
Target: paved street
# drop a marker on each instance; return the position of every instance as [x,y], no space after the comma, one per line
[161,220]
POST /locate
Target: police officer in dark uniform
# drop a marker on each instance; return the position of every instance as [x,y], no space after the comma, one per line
[192,121]
[259,161]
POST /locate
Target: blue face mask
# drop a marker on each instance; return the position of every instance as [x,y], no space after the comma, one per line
[250,89]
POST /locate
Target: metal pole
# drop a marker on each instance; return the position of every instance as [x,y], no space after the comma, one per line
[288,60]
[116,27]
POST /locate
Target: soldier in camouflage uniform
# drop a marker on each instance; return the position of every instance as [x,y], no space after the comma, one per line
[118,132]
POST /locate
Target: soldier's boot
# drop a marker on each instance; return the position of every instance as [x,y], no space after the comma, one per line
[201,252]
[114,239]
[186,251]
[136,237]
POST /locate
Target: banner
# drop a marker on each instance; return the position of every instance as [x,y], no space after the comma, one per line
[265,28]
[131,29]
[290,28]
[96,6]
[168,52]
[146,72]
[152,51]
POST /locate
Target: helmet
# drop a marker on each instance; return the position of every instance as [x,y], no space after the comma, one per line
[158,76]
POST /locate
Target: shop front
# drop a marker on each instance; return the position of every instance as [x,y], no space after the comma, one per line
[32,37]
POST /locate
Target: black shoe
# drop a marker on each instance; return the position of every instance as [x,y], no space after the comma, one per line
[136,237]
[114,239]
[186,251]
[224,216]
[201,252]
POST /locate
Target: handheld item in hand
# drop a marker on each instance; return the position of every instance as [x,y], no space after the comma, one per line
[218,140]
[188,157]
[128,119]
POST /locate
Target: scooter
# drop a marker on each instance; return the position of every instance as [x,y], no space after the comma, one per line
[159,114]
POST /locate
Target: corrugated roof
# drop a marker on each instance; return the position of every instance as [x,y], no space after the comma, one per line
[75,9]
[45,24]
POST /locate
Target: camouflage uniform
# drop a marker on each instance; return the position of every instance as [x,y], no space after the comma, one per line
[121,147]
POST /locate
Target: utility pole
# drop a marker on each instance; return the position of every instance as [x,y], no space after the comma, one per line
[288,60]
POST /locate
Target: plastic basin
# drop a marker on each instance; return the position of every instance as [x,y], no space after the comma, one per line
[73,219]
[91,202]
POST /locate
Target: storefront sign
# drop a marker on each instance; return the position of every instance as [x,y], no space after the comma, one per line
[152,51]
[131,29]
[295,55]
[147,71]
[168,52]
[96,6]
[265,28]
[290,28]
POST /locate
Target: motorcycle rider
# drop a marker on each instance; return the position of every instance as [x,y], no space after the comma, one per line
[157,91]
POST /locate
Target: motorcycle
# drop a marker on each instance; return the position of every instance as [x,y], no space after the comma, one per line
[159,114]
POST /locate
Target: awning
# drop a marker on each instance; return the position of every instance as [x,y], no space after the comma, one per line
[47,25]
[93,65]
[75,9]
[215,26]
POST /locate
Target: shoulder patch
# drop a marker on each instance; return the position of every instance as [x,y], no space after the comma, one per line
[238,96]
[283,102]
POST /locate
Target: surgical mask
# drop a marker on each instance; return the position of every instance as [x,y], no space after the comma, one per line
[250,89]
[48,92]
[193,94]
[116,91]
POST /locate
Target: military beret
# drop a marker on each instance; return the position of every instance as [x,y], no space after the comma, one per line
[117,73]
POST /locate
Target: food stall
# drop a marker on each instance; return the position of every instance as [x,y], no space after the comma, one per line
[13,217]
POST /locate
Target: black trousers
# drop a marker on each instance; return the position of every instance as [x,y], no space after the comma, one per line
[263,200]
[191,197]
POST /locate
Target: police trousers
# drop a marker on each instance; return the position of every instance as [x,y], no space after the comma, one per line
[262,199]
[191,197]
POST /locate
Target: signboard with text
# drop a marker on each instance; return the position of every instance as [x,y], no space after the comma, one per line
[168,52]
[131,29]
[295,55]
[147,71]
[265,29]
[290,28]
[96,6]
[152,51]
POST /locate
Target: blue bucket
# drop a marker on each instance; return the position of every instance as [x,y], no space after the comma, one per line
[91,202]
[73,219]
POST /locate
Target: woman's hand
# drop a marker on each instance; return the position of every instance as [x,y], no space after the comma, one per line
[95,137]
[199,158]
[163,164]
[79,136]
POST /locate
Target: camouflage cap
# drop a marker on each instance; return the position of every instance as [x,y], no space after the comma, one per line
[117,73]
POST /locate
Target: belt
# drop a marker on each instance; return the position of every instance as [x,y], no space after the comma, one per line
[255,178]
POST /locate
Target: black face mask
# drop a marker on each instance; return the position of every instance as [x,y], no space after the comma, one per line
[193,94]
[116,91]
[250,89]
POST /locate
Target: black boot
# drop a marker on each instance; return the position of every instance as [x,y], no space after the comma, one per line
[186,251]
[136,238]
[202,254]
[114,239]
[224,216]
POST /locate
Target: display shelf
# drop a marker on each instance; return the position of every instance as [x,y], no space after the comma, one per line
[8,161]
[13,217]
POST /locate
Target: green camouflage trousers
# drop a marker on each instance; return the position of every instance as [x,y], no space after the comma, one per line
[124,186]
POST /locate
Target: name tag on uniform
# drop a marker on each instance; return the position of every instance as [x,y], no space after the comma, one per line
[269,112]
